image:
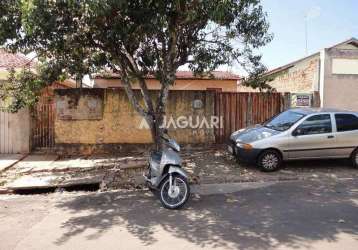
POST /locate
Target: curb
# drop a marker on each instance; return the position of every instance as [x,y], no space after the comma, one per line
[5,191]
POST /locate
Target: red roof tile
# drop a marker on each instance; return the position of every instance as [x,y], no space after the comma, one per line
[10,60]
[220,75]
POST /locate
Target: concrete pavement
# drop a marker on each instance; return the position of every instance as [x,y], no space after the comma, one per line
[284,215]
[8,160]
[51,171]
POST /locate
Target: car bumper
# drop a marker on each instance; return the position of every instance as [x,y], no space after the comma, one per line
[244,155]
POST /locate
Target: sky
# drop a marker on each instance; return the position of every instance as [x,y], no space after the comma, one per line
[328,22]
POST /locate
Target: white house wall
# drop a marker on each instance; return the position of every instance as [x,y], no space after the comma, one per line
[340,88]
[15,132]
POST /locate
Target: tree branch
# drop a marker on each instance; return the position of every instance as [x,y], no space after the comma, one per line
[131,96]
[142,83]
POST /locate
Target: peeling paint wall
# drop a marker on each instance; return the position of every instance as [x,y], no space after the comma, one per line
[303,77]
[116,122]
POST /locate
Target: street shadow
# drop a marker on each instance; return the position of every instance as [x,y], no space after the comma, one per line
[302,166]
[320,164]
[281,214]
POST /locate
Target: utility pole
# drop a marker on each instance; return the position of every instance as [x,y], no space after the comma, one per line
[306,33]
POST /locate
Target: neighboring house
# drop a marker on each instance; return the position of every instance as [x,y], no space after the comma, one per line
[328,78]
[12,61]
[18,130]
[185,80]
[15,129]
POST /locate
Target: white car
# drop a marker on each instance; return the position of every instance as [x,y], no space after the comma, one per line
[298,134]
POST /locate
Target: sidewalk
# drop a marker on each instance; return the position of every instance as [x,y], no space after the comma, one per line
[204,165]
[41,171]
[7,160]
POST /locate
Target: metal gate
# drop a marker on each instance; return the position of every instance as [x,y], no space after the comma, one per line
[239,110]
[43,131]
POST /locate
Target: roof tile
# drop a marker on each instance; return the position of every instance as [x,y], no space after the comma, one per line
[220,75]
[10,60]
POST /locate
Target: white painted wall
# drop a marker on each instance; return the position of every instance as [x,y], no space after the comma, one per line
[339,88]
[15,132]
[344,66]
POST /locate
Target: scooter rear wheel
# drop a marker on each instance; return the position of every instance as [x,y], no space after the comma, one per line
[178,196]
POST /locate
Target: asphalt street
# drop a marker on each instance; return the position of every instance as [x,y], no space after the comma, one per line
[320,214]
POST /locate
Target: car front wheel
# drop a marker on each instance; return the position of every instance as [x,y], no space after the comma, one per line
[269,161]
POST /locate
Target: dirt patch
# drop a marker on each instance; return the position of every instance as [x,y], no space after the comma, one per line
[218,166]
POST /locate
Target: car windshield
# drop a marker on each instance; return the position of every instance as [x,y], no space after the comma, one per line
[284,120]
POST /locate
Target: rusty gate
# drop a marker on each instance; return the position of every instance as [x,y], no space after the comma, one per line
[43,131]
[43,120]
[239,110]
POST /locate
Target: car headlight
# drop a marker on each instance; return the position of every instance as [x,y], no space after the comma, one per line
[244,145]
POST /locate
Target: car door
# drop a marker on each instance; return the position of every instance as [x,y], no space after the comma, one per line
[312,138]
[347,133]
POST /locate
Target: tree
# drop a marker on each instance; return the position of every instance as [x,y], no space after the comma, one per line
[135,38]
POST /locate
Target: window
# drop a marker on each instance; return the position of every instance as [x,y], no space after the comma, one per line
[346,122]
[317,124]
[284,120]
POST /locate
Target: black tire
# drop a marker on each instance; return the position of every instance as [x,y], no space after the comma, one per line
[354,158]
[269,160]
[164,196]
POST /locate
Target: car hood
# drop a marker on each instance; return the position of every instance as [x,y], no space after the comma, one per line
[253,133]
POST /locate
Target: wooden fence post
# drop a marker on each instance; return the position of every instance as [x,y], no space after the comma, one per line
[249,110]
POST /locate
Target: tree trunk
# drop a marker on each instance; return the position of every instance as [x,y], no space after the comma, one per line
[156,129]
[159,115]
[153,117]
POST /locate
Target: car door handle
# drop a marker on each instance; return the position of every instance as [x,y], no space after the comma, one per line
[330,137]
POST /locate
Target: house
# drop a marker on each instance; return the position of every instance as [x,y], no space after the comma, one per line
[12,61]
[15,129]
[20,131]
[185,80]
[328,78]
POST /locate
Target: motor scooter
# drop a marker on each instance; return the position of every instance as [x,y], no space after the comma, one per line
[165,175]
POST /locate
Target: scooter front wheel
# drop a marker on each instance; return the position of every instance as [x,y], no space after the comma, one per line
[176,195]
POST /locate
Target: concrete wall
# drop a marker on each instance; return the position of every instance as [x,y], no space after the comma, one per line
[339,90]
[180,84]
[116,122]
[303,77]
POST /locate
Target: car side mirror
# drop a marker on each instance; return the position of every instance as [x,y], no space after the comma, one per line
[297,132]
